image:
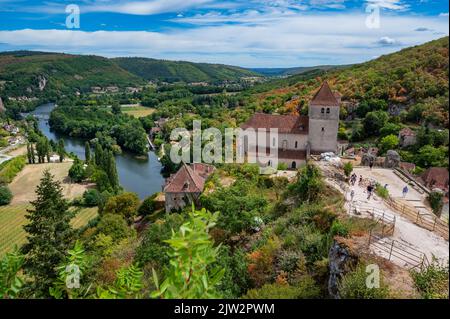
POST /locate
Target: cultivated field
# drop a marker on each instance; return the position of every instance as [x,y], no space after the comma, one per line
[137,111]
[12,219]
[24,184]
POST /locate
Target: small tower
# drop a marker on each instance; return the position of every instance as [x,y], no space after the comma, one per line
[323,121]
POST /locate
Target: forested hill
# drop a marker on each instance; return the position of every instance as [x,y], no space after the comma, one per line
[416,76]
[40,74]
[173,71]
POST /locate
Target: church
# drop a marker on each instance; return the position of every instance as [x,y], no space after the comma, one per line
[298,136]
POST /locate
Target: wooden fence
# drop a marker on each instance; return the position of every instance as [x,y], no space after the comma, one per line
[398,252]
[385,220]
[424,220]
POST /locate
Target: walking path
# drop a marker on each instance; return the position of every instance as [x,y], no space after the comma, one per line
[405,231]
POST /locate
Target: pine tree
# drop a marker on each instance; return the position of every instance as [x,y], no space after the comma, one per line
[49,235]
[87,152]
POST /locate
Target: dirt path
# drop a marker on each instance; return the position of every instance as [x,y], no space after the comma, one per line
[24,184]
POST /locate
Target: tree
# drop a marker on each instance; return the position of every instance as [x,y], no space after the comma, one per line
[387,143]
[87,152]
[32,154]
[5,195]
[125,204]
[374,121]
[49,235]
[42,148]
[113,225]
[148,206]
[192,252]
[111,170]
[29,155]
[77,172]
[61,150]
[309,184]
[116,109]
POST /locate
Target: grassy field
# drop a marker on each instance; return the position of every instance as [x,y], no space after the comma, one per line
[138,111]
[12,219]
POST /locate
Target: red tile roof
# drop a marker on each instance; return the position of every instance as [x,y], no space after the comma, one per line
[188,179]
[294,124]
[324,96]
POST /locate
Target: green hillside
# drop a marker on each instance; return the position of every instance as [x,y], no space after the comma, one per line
[174,71]
[25,71]
[410,77]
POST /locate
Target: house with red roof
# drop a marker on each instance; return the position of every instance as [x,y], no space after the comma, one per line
[298,136]
[185,186]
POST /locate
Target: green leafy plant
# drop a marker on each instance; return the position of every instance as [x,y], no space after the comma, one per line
[192,251]
[11,282]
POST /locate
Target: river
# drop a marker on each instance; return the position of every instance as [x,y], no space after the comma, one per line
[141,176]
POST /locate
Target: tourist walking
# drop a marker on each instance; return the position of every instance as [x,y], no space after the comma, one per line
[369,191]
[405,191]
[352,195]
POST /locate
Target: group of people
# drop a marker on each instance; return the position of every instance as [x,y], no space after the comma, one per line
[370,186]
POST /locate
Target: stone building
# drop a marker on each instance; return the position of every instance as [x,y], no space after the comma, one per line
[185,186]
[298,136]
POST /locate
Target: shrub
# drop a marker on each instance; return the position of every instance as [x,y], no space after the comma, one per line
[382,191]
[353,286]
[348,169]
[388,142]
[282,166]
[260,267]
[148,206]
[306,289]
[309,184]
[5,195]
[436,202]
[432,282]
[339,229]
[125,204]
[91,197]
[114,226]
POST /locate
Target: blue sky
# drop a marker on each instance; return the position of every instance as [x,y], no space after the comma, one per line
[250,33]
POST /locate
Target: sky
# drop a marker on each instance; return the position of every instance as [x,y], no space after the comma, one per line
[248,33]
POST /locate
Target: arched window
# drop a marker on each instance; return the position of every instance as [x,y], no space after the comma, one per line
[273,142]
[328,110]
[322,110]
[323,129]
[296,144]
[294,165]
[269,163]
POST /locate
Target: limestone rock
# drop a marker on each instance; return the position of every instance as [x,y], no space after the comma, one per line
[392,159]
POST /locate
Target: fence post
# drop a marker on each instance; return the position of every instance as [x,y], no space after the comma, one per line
[390,253]
[370,237]
[435,222]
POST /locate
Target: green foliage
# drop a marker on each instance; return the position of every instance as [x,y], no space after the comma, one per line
[5,195]
[432,282]
[309,184]
[77,172]
[282,167]
[436,200]
[191,253]
[429,156]
[128,285]
[148,206]
[238,206]
[348,169]
[353,286]
[389,142]
[68,284]
[339,229]
[306,289]
[11,283]
[390,129]
[49,235]
[125,204]
[113,225]
[91,198]
[374,122]
[382,191]
[9,169]
[153,248]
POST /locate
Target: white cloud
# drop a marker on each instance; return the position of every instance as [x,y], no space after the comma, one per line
[260,40]
[443,14]
[389,4]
